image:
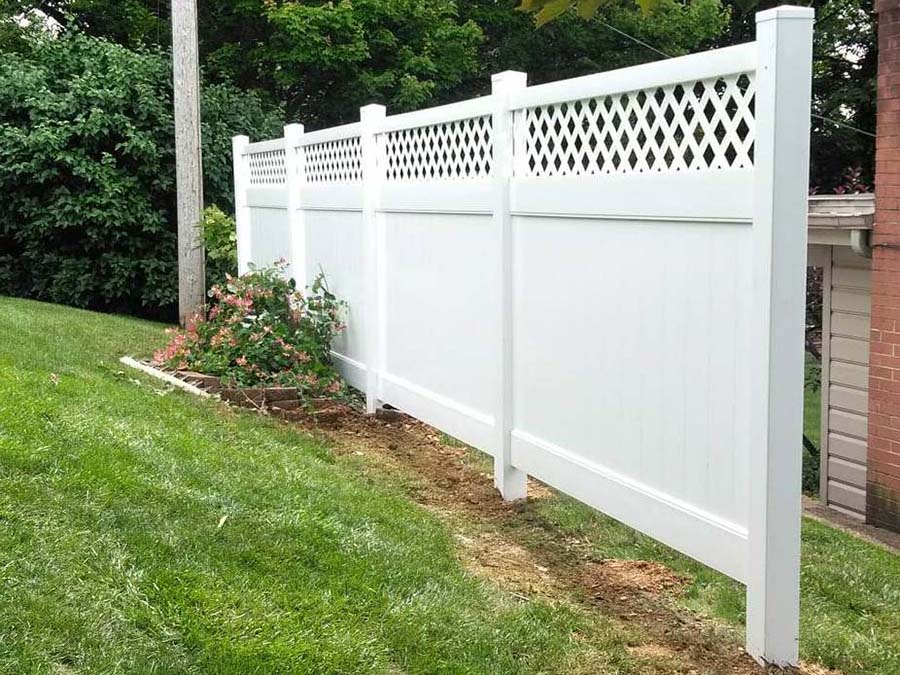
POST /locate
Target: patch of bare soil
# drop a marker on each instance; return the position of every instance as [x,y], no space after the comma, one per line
[508,564]
[642,575]
[638,593]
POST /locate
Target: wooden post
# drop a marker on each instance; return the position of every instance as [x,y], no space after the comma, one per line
[188,164]
[511,482]
[371,118]
[781,169]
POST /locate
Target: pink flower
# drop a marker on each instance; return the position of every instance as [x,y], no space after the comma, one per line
[241,361]
[176,349]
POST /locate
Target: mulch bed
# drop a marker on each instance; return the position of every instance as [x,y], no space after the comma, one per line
[285,402]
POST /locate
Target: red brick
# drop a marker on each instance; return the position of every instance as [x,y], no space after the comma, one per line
[891,434]
[878,347]
[882,324]
[885,361]
[889,313]
[884,353]
[881,290]
[885,384]
[888,166]
[878,444]
[885,461]
[887,191]
[882,461]
[885,301]
[888,337]
[878,403]
[886,479]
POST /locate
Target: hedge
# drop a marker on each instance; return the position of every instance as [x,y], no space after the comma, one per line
[87,170]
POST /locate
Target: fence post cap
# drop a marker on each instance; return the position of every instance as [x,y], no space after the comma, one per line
[511,76]
[785,12]
[372,111]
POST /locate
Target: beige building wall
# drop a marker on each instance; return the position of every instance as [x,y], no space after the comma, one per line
[845,377]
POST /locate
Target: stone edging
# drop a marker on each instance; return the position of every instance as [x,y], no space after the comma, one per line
[282,401]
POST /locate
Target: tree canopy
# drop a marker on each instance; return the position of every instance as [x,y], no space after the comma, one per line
[322,60]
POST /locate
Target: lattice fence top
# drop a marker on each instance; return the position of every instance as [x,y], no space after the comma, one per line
[706,124]
[453,150]
[268,168]
[334,161]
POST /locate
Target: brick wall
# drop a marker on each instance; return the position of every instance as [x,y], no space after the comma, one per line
[883,479]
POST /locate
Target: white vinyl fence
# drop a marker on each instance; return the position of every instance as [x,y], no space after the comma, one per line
[598,281]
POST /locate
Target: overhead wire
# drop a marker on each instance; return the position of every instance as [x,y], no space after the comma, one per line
[668,56]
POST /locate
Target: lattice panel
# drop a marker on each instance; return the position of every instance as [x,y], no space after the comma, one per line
[708,124]
[334,162]
[267,168]
[454,150]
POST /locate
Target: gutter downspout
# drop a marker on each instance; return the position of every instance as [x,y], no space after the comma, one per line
[859,242]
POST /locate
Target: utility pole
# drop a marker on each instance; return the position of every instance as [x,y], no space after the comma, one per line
[188,162]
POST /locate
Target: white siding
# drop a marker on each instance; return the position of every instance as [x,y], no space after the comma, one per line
[845,380]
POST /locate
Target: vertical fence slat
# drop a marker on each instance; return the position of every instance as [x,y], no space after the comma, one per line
[241,210]
[293,167]
[784,42]
[372,118]
[511,482]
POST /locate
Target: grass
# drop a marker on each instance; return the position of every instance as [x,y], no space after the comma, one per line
[812,414]
[114,556]
[850,589]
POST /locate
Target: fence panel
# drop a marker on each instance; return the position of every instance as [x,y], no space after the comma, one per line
[598,281]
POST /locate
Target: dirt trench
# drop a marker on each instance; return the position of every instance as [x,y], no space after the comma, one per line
[641,595]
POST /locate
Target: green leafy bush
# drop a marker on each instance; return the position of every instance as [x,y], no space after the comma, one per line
[261,330]
[87,193]
[220,239]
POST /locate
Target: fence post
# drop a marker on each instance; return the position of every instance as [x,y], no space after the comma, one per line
[293,165]
[371,118]
[511,482]
[241,210]
[781,170]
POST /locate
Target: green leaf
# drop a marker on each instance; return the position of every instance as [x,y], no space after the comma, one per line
[587,8]
[647,6]
[530,5]
[550,11]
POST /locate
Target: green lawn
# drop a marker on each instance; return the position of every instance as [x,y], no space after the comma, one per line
[113,560]
[812,414]
[850,589]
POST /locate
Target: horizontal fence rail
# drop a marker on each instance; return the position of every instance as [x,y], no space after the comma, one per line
[597,281]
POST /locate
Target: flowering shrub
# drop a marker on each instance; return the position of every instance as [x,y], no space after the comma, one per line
[260,330]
